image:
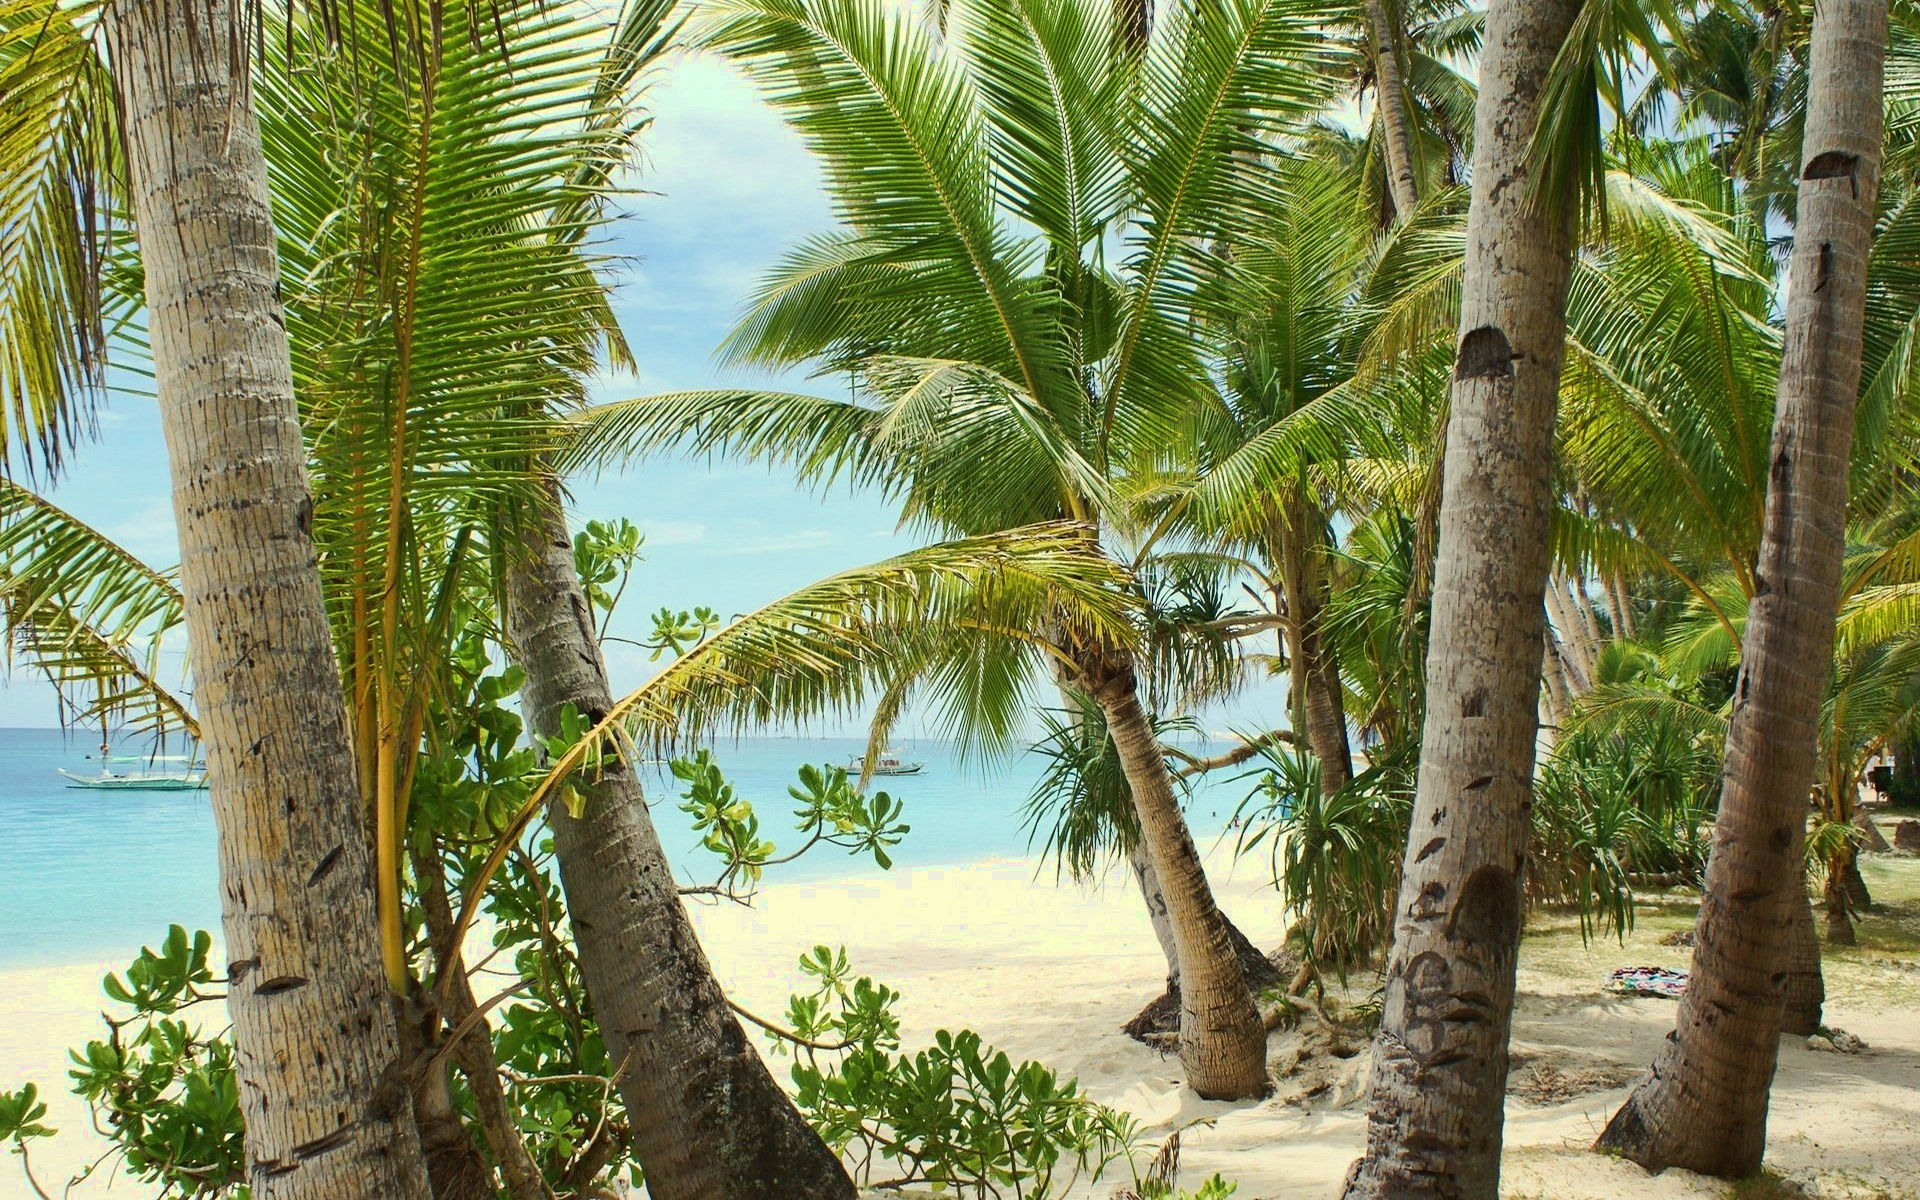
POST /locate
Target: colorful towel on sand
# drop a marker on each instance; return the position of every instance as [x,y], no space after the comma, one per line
[1647,981]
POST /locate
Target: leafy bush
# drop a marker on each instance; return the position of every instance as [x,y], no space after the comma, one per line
[832,812]
[164,1092]
[957,1114]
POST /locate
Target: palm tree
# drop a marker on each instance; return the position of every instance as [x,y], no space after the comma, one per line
[1704,1106]
[707,1117]
[1004,378]
[1439,1074]
[314,1032]
[1422,105]
[1390,95]
[418,449]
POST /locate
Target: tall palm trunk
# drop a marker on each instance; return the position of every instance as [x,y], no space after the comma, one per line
[1390,94]
[708,1120]
[316,1053]
[1704,1107]
[1440,1058]
[1318,696]
[1223,1044]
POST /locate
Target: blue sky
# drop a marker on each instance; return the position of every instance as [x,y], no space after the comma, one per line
[729,187]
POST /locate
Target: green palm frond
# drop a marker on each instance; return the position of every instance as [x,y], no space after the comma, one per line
[58,192]
[1610,41]
[442,293]
[1610,708]
[1224,77]
[964,608]
[822,439]
[897,125]
[1054,94]
[824,649]
[89,615]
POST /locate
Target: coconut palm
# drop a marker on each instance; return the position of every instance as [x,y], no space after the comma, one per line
[186,162]
[1439,1074]
[1705,1105]
[418,450]
[1005,373]
[1422,105]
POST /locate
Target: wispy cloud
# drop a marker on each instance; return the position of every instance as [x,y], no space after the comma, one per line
[779,543]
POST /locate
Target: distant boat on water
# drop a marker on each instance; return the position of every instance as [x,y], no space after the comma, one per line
[191,779]
[888,763]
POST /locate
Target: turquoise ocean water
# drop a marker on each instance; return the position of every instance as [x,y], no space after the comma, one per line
[88,876]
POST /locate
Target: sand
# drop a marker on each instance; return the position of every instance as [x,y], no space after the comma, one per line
[1051,972]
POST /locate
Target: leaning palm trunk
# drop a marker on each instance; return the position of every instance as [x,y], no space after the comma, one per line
[1704,1107]
[1223,1044]
[1396,127]
[1440,1058]
[313,1030]
[708,1120]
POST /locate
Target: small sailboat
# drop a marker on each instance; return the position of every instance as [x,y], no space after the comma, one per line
[888,762]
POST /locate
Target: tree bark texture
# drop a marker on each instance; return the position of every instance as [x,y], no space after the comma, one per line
[1390,94]
[1440,1057]
[1704,1105]
[1843,894]
[1315,673]
[321,1089]
[1223,1044]
[708,1120]
[1805,990]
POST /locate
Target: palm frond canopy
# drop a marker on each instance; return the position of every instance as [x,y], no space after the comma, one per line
[1027,213]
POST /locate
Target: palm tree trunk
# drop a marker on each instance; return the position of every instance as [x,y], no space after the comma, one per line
[1390,94]
[1843,870]
[1704,1107]
[1140,862]
[1805,990]
[1440,1057]
[316,1050]
[1299,534]
[1619,606]
[1223,1045]
[707,1118]
[1555,698]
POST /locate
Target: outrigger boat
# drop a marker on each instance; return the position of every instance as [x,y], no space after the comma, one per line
[889,763]
[192,779]
[109,780]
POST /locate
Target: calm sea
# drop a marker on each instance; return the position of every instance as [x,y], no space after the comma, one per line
[89,876]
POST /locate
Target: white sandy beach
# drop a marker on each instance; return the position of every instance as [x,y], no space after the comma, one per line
[1051,973]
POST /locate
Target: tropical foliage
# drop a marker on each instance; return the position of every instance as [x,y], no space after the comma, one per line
[1123,315]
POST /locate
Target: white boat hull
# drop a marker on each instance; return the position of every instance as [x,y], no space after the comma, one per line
[137,783]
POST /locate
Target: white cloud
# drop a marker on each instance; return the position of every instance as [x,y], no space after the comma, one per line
[148,532]
[673,533]
[798,539]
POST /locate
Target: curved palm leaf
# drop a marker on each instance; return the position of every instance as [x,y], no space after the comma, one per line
[89,615]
